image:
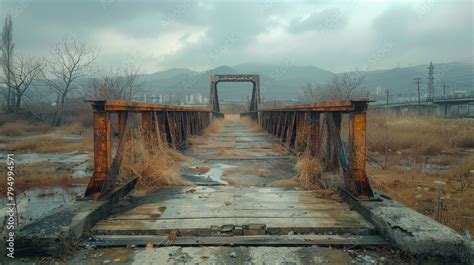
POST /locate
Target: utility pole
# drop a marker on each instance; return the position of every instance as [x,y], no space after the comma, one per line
[418,82]
[431,82]
[445,105]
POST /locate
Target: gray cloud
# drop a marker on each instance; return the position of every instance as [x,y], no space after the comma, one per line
[325,20]
[336,35]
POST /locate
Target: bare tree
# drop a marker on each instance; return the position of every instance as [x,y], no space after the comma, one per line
[26,70]
[115,84]
[7,58]
[311,93]
[69,62]
[341,86]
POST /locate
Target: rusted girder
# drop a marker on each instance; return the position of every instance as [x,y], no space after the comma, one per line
[216,79]
[158,123]
[316,128]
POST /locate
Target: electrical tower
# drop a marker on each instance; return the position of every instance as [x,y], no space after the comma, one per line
[431,82]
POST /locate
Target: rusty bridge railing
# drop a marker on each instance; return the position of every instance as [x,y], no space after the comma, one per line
[316,128]
[170,124]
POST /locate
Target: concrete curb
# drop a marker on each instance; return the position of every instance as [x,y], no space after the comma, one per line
[413,232]
[58,233]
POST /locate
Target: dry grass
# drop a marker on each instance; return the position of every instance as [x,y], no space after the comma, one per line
[216,127]
[70,128]
[20,128]
[309,173]
[408,142]
[280,149]
[285,183]
[232,153]
[414,134]
[45,144]
[43,174]
[259,149]
[251,124]
[447,198]
[232,117]
[155,169]
[232,181]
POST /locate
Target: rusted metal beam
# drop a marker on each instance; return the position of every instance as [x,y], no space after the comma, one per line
[102,153]
[316,129]
[359,183]
[123,105]
[171,124]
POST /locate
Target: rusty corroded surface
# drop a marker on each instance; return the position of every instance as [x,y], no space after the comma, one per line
[172,124]
[316,129]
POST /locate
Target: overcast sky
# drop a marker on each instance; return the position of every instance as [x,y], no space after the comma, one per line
[334,35]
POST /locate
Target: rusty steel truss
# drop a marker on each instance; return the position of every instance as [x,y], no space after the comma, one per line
[313,128]
[167,123]
[216,79]
[316,128]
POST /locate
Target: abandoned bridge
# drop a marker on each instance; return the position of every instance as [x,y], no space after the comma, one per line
[231,213]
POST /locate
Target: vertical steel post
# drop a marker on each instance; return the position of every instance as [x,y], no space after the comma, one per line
[102,153]
[357,145]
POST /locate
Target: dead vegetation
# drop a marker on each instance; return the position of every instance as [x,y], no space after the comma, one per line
[420,135]
[43,174]
[155,168]
[309,172]
[285,183]
[446,197]
[251,124]
[45,144]
[225,153]
[427,164]
[22,127]
[155,171]
[232,117]
[232,181]
[216,127]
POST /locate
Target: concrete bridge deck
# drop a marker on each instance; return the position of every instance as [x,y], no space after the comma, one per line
[251,212]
